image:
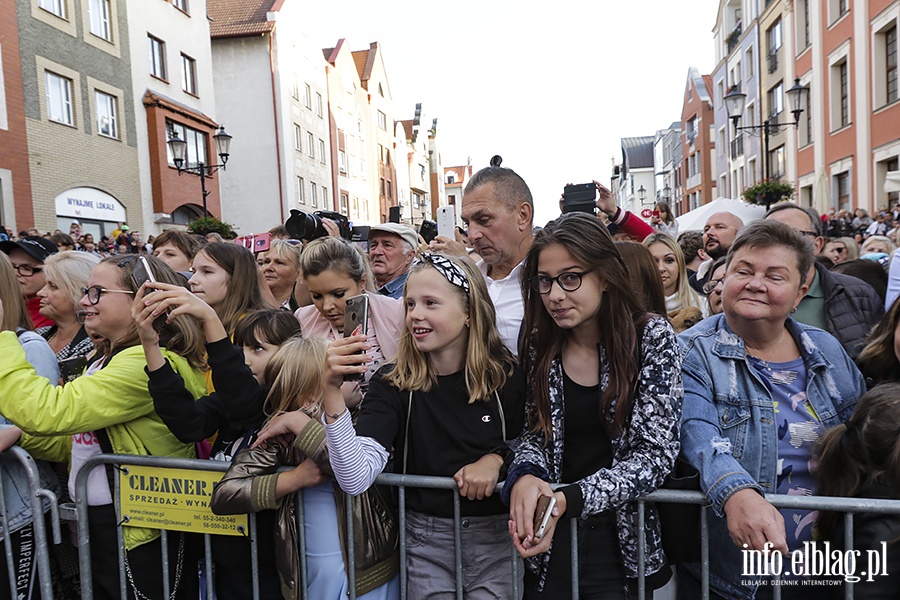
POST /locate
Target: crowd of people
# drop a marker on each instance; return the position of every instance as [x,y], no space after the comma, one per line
[575,364]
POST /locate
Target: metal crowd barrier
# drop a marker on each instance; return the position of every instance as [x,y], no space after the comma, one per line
[36,496]
[846,505]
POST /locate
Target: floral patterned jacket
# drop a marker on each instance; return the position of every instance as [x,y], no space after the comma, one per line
[642,456]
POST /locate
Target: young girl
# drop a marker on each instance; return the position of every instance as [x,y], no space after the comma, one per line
[234,412]
[253,483]
[603,407]
[861,459]
[445,407]
[225,276]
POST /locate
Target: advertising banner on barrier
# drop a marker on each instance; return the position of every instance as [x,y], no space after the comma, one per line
[175,499]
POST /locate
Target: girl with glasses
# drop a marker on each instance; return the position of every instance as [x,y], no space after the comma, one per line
[109,409]
[603,404]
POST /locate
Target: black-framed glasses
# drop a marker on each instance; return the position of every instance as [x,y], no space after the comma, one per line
[94,292]
[568,281]
[27,270]
[711,285]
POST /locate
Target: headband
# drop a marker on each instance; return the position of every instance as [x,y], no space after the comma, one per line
[446,267]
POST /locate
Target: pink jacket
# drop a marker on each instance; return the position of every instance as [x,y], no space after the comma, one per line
[385,314]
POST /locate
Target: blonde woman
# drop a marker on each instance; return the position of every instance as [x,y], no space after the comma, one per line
[281,269]
[66,273]
[670,261]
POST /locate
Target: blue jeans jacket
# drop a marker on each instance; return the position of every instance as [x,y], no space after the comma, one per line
[728,427]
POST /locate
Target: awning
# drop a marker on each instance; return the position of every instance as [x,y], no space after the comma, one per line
[892,181]
[696,219]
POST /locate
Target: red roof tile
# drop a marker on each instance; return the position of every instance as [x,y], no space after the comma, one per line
[239,18]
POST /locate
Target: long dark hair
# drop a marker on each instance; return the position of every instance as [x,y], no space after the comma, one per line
[878,359]
[620,316]
[244,282]
[854,455]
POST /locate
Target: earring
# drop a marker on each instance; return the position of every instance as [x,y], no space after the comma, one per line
[793,310]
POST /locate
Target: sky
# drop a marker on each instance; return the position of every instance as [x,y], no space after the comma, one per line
[550,87]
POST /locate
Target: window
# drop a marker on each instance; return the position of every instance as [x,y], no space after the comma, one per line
[189,74]
[59,99]
[803,24]
[382,121]
[107,122]
[806,123]
[318,104]
[307,98]
[890,71]
[157,57]
[322,151]
[98,11]
[844,94]
[773,36]
[776,99]
[57,7]
[749,62]
[837,9]
[181,5]
[310,144]
[300,191]
[196,144]
[325,203]
[342,161]
[295,89]
[843,7]
[345,201]
[843,188]
[776,162]
[313,194]
[298,138]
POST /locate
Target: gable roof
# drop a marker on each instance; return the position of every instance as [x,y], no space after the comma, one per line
[240,18]
[638,152]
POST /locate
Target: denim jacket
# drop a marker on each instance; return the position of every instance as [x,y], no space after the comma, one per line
[728,428]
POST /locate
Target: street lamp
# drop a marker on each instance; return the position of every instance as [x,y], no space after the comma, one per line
[178,148]
[734,105]
[642,194]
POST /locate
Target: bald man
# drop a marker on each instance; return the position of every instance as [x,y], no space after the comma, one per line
[718,234]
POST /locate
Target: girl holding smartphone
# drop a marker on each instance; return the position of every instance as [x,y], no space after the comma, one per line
[603,408]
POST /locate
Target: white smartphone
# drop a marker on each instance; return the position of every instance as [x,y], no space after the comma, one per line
[542,514]
[446,221]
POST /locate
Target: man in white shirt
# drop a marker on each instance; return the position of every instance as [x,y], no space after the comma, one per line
[498,208]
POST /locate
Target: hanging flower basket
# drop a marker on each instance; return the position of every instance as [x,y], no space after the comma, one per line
[205,225]
[769,192]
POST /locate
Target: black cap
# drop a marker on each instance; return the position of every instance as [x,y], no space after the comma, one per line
[37,247]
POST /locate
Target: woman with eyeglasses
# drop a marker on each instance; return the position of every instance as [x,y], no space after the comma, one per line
[713,287]
[109,409]
[759,391]
[603,402]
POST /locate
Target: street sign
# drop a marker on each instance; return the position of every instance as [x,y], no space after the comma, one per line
[646,213]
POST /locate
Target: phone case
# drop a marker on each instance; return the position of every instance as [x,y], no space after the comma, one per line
[446,221]
[542,513]
[356,321]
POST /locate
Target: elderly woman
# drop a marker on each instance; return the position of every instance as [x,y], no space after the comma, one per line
[760,389]
[281,269]
[66,274]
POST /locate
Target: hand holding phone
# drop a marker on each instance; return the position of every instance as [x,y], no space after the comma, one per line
[356,321]
[542,513]
[144,274]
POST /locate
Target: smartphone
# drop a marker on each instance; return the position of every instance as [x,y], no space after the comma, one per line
[542,513]
[356,322]
[142,274]
[71,368]
[446,221]
[581,197]
[428,230]
[656,213]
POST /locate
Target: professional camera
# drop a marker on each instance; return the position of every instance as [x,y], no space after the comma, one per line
[308,226]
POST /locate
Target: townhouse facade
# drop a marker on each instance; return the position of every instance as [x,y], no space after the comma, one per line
[698,142]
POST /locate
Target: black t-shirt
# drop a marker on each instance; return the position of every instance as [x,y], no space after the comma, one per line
[586,440]
[446,433]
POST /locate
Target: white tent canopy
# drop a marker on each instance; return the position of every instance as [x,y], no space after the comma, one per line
[696,219]
[892,181]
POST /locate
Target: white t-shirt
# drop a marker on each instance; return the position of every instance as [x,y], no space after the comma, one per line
[84,447]
[509,304]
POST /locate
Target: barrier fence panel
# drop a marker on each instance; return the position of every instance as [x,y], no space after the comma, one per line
[36,496]
[122,463]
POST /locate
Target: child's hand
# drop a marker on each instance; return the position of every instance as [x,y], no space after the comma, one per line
[142,312]
[306,474]
[341,359]
[478,479]
[283,428]
[177,300]
[523,503]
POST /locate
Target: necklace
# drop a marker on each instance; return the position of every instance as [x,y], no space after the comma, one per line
[766,362]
